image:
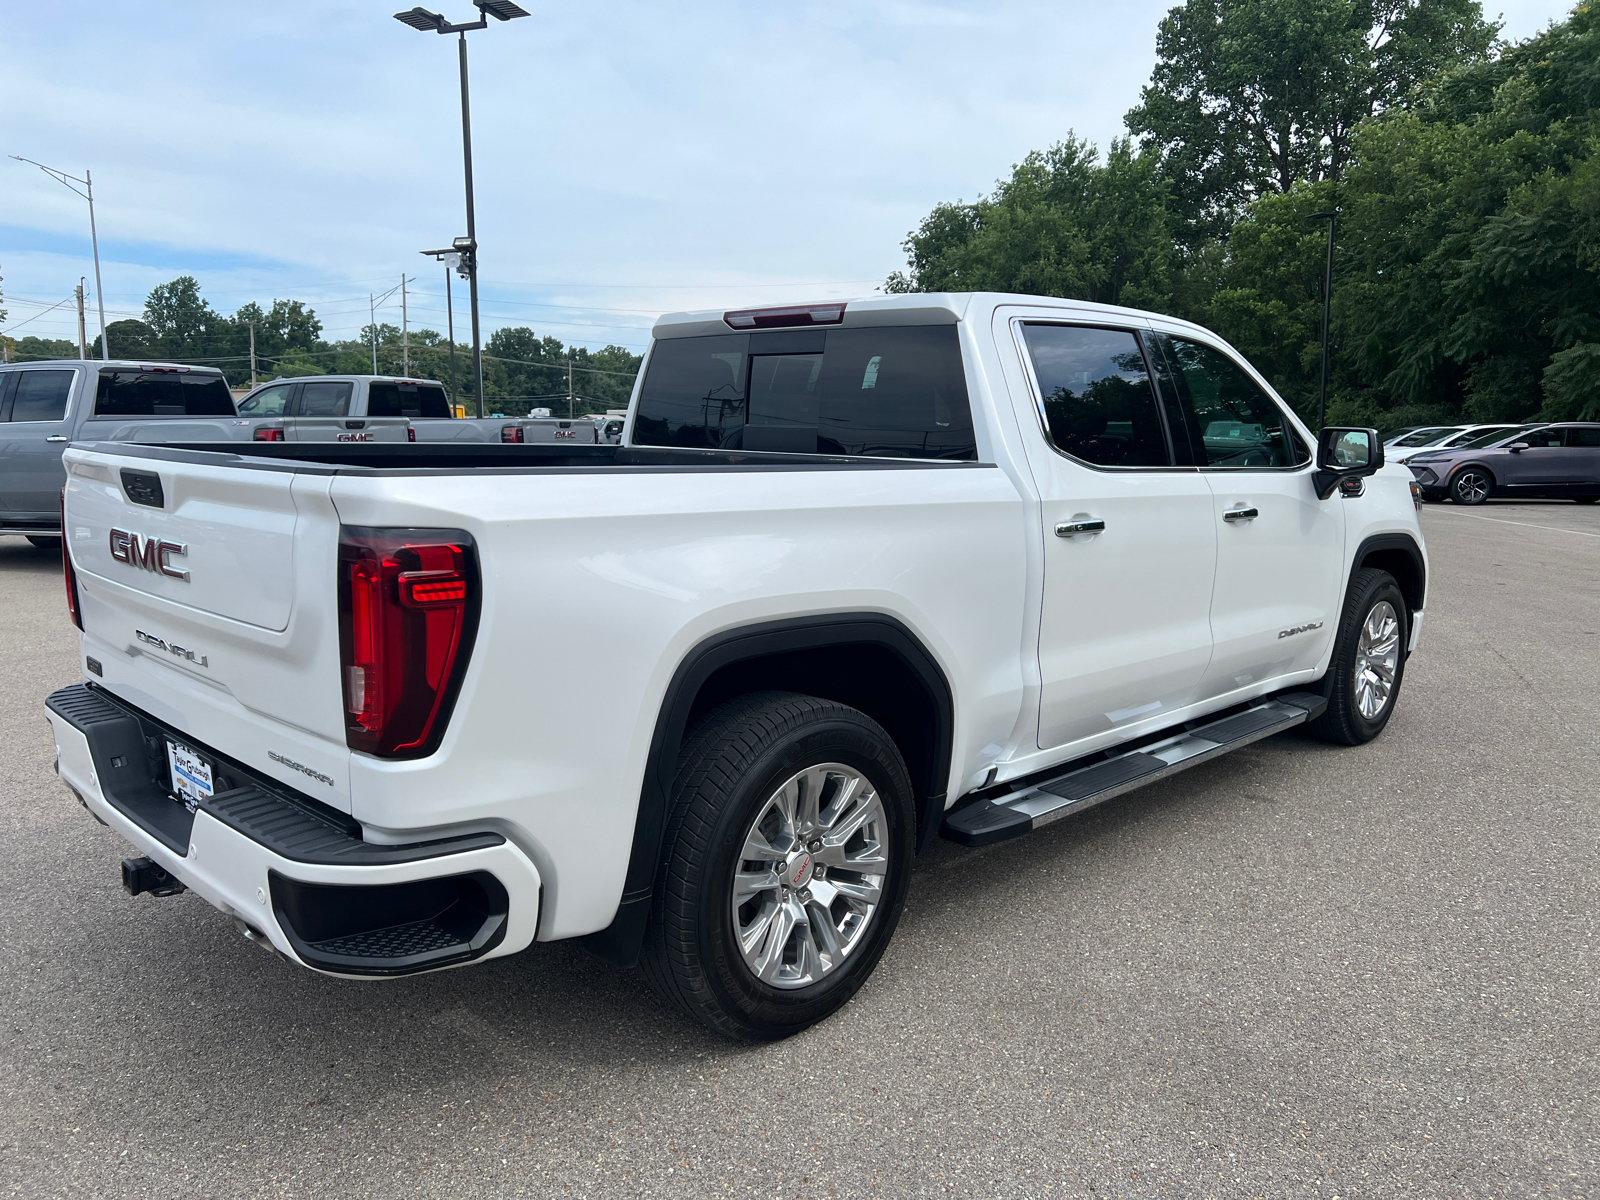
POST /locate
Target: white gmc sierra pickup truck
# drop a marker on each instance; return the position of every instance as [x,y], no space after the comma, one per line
[859,574]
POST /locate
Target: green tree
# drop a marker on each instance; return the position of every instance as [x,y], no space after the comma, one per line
[1470,280]
[38,347]
[184,323]
[1250,97]
[1064,224]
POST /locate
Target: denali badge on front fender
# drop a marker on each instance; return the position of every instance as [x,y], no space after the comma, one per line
[1283,633]
[150,553]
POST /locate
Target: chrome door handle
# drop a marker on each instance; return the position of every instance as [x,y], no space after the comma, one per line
[56,437]
[1240,514]
[1070,528]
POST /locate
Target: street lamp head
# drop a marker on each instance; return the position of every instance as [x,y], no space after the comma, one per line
[421,19]
[1323,216]
[462,243]
[500,10]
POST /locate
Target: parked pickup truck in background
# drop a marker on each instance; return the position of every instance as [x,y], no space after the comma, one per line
[870,572]
[46,405]
[421,400]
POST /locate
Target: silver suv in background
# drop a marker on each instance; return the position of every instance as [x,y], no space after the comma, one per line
[1560,461]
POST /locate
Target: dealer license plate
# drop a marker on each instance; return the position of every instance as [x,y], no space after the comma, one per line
[191,774]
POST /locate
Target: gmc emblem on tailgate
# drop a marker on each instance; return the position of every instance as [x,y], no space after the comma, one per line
[150,553]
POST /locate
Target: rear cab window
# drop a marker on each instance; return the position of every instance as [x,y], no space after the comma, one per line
[415,400]
[886,392]
[162,393]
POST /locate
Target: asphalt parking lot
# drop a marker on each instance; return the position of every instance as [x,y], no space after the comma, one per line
[1297,971]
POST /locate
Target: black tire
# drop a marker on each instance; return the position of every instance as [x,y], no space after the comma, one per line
[1586,499]
[733,761]
[1343,722]
[45,542]
[1471,485]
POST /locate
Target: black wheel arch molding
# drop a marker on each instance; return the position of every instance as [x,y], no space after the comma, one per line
[898,682]
[1400,555]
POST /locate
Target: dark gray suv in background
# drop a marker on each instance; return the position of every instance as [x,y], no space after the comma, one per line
[1556,460]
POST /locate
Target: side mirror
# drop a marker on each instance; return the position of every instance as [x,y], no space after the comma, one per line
[1517,447]
[1345,453]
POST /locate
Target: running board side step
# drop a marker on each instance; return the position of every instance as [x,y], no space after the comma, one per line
[1080,789]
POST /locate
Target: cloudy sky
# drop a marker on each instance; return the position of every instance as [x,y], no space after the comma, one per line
[632,158]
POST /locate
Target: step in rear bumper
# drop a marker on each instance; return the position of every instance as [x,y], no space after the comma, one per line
[257,856]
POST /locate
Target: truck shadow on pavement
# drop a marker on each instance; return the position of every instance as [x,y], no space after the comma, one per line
[18,556]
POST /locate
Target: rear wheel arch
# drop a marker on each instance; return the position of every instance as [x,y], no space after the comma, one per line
[868,661]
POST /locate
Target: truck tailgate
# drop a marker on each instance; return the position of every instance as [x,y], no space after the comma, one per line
[208,600]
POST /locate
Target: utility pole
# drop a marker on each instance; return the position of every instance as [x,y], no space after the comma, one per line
[83,334]
[67,181]
[569,387]
[252,354]
[372,328]
[405,328]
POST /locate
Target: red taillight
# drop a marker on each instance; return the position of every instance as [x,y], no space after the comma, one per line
[67,573]
[407,611]
[411,434]
[511,433]
[268,435]
[786,318]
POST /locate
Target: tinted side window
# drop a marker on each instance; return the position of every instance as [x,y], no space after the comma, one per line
[1228,420]
[399,400]
[891,392]
[1098,399]
[162,394]
[1537,437]
[41,395]
[268,402]
[1578,436]
[324,399]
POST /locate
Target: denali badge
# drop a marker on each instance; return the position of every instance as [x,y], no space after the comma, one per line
[301,767]
[150,639]
[149,553]
[1283,633]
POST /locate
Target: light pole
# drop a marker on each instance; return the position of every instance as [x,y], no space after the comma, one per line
[421,19]
[94,238]
[1327,317]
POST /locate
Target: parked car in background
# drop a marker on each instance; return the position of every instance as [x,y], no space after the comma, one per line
[1398,448]
[44,406]
[1559,460]
[1467,433]
[422,401]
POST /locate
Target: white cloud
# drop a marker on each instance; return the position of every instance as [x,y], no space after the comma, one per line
[630,156]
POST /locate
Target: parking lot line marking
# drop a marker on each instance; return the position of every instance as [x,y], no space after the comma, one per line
[1526,524]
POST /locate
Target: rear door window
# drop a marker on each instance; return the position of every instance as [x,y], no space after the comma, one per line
[1099,403]
[892,392]
[162,394]
[268,402]
[407,400]
[1226,418]
[324,399]
[1586,437]
[41,395]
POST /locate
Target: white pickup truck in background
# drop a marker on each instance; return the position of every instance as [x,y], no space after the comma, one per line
[869,573]
[422,401]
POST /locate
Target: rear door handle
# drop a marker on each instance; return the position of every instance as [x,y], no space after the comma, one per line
[1071,528]
[1240,514]
[56,437]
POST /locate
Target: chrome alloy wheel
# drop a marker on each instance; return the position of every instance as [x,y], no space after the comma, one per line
[810,875]
[1377,659]
[1472,487]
